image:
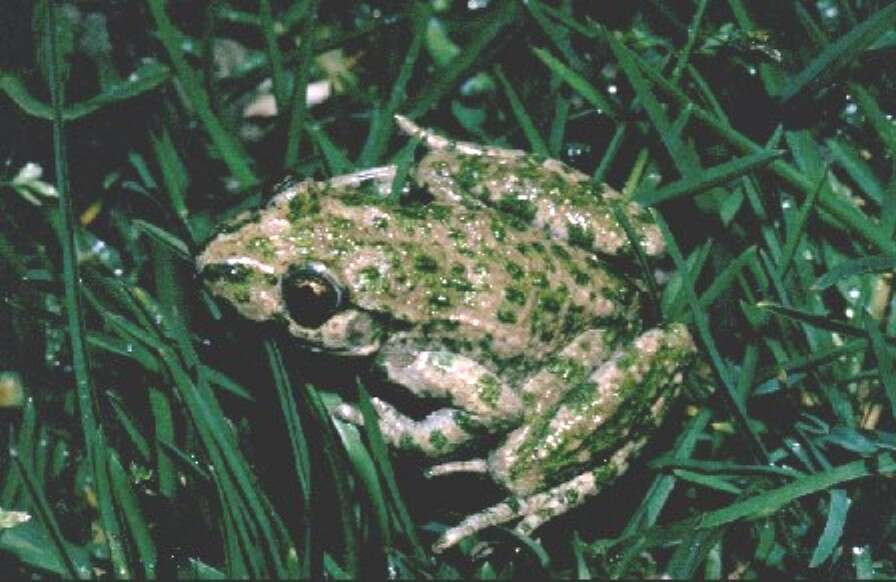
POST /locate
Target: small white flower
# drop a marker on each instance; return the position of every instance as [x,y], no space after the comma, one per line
[28,183]
[10,519]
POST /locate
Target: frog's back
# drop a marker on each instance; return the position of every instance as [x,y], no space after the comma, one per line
[469,278]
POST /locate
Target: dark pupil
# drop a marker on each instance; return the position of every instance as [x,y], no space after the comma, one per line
[310,297]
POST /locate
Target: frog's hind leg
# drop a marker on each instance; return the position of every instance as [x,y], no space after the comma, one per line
[537,509]
[441,433]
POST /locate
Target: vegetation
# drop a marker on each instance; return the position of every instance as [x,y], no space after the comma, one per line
[146,433]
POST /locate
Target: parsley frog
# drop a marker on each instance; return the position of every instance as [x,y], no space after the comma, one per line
[503,296]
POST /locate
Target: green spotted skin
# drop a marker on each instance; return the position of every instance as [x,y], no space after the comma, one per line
[470,278]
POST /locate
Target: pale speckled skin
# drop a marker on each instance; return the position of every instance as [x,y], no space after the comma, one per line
[492,297]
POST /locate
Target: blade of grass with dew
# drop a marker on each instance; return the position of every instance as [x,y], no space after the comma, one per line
[876,118]
[819,320]
[341,489]
[403,161]
[693,30]
[886,368]
[833,527]
[48,519]
[536,142]
[725,279]
[298,444]
[726,468]
[771,501]
[658,494]
[840,53]
[225,382]
[131,351]
[129,507]
[209,418]
[845,212]
[127,422]
[366,471]
[94,437]
[673,301]
[503,15]
[558,125]
[684,158]
[275,57]
[556,34]
[381,125]
[337,162]
[579,84]
[796,231]
[853,267]
[163,431]
[298,106]
[708,178]
[691,552]
[707,481]
[162,236]
[226,145]
[610,153]
[721,369]
[381,454]
[569,21]
[641,258]
[846,156]
[174,174]
[145,78]
[236,489]
[189,463]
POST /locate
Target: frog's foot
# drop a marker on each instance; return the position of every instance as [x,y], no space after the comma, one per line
[469,386]
[471,466]
[434,141]
[441,433]
[535,510]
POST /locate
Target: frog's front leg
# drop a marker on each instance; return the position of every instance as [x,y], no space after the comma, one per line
[440,433]
[480,401]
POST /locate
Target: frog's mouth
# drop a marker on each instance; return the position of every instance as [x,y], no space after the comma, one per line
[350,332]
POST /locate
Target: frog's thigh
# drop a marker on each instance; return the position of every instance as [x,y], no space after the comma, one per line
[440,433]
[468,385]
[573,364]
[539,508]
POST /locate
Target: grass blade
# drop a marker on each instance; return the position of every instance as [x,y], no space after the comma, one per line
[504,15]
[841,53]
[709,178]
[298,108]
[230,150]
[579,84]
[536,142]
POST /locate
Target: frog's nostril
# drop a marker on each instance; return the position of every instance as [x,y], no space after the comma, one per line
[311,295]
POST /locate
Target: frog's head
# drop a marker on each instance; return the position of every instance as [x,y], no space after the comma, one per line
[280,266]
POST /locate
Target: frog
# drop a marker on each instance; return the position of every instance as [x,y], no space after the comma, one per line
[499,286]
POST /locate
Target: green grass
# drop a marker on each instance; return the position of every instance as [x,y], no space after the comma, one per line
[160,436]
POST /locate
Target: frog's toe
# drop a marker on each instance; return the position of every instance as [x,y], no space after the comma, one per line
[503,512]
[349,413]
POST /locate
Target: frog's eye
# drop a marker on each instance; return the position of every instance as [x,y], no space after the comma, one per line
[311,294]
